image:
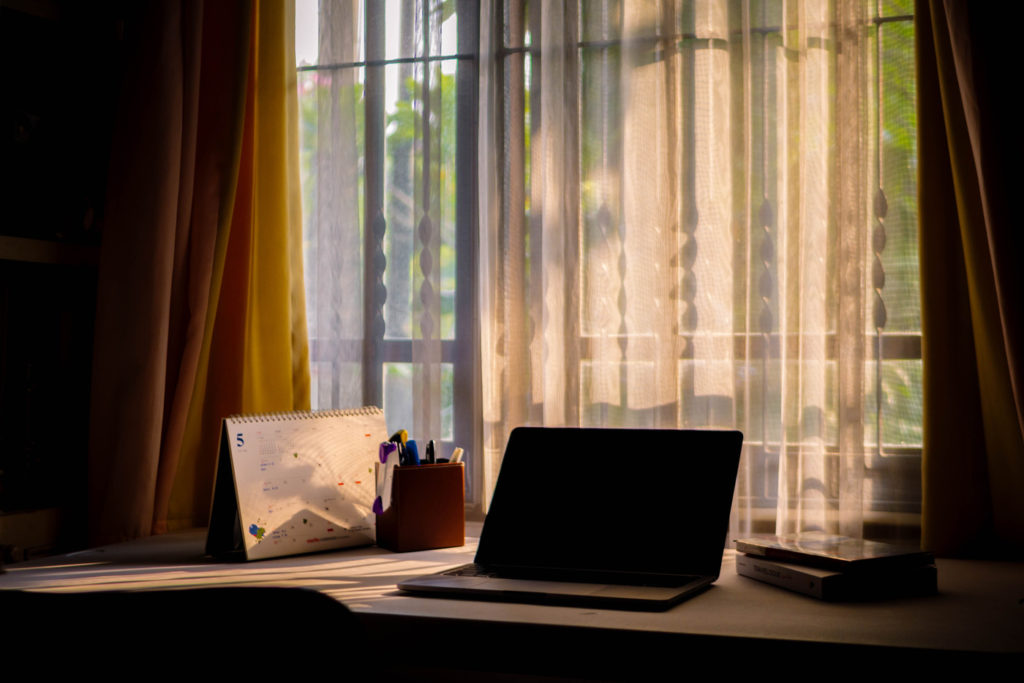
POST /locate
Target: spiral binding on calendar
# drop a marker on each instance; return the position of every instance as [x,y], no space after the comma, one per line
[306,414]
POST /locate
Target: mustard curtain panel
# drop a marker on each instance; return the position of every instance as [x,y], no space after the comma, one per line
[197,315]
[971,248]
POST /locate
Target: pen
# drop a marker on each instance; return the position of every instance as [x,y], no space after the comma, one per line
[386,449]
[399,438]
[388,457]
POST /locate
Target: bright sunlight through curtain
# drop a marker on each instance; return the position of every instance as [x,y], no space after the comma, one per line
[680,213]
[689,213]
[379,187]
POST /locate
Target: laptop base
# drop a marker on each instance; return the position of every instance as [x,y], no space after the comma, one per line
[549,592]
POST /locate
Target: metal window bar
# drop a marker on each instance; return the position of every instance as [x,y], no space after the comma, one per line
[374,224]
[467,430]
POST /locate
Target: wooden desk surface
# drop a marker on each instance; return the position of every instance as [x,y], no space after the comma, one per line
[979,610]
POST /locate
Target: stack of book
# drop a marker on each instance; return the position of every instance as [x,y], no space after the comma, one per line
[837,568]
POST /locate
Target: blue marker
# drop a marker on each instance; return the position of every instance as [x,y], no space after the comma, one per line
[413,452]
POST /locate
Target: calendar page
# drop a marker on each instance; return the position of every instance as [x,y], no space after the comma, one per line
[304,482]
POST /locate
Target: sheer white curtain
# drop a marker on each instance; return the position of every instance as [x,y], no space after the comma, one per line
[333,233]
[377,125]
[675,218]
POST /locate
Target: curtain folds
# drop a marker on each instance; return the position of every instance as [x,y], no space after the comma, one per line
[972,320]
[380,183]
[676,232]
[200,311]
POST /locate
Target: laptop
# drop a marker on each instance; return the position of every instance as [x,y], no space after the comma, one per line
[616,518]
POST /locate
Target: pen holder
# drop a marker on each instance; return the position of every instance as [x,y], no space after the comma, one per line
[427,509]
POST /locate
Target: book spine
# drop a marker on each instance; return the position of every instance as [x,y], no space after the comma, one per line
[783,577]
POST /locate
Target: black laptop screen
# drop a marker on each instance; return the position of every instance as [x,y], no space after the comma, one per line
[613,500]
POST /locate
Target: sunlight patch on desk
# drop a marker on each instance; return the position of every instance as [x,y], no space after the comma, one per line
[53,567]
[378,571]
[350,564]
[405,567]
[360,597]
[107,570]
[156,583]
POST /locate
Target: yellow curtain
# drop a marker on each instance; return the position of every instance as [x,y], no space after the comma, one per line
[255,352]
[276,359]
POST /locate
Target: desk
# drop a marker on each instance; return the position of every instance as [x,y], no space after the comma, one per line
[740,623]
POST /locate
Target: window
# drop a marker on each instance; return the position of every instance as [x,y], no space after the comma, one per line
[731,188]
[388,111]
[694,213]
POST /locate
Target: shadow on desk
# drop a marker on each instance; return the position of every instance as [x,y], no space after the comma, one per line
[233,629]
